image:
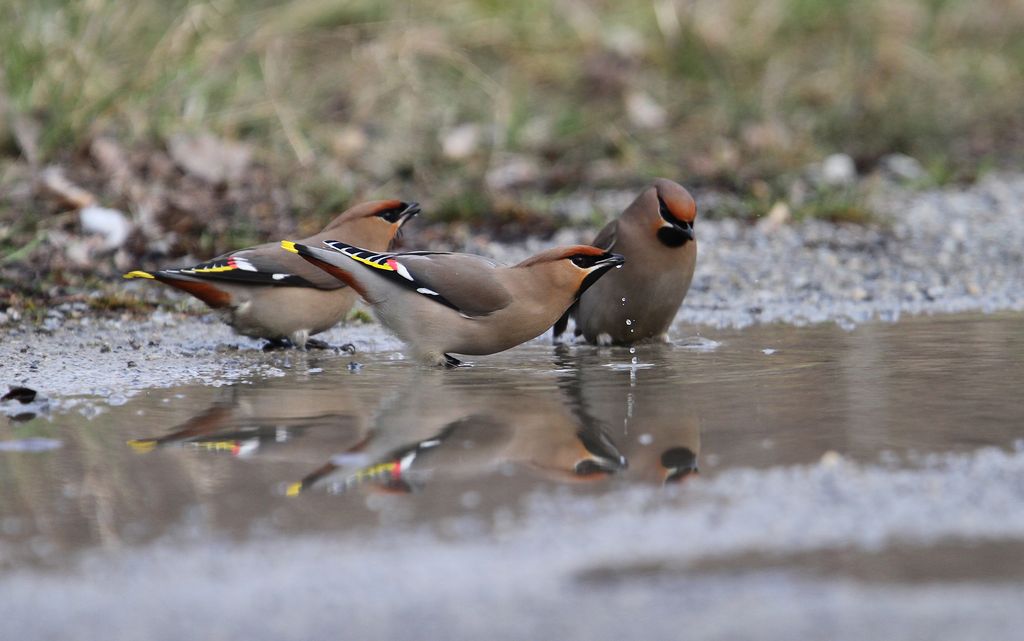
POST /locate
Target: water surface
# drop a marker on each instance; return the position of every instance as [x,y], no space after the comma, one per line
[359,443]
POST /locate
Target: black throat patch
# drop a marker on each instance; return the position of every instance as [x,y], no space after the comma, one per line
[673,236]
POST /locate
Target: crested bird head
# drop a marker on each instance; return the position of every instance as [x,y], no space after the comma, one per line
[573,268]
[373,224]
[678,463]
[668,210]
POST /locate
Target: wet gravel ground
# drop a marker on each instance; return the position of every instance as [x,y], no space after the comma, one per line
[114,358]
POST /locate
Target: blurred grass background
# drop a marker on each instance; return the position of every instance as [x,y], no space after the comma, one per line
[466,105]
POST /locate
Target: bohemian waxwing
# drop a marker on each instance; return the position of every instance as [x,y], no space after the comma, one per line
[263,292]
[439,302]
[639,301]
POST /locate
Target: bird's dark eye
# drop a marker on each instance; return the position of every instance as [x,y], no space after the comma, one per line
[584,261]
[393,214]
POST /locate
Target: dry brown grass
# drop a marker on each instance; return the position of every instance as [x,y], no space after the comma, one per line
[458,102]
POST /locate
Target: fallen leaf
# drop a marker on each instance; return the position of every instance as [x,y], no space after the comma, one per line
[210,158]
[54,184]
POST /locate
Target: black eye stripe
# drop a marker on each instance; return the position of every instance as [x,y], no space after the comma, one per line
[585,260]
[394,214]
[666,213]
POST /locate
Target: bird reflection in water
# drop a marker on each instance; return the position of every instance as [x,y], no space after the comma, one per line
[275,415]
[581,421]
[439,427]
[641,403]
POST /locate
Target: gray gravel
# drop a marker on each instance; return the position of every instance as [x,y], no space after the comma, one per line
[938,251]
[113,358]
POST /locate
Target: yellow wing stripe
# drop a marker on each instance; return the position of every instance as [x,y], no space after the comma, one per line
[211,270]
[142,445]
[364,261]
[288,245]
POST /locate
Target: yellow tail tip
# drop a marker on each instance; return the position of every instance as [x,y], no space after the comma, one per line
[143,445]
[293,489]
[288,245]
[138,274]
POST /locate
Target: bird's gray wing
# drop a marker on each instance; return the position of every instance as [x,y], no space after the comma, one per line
[465,283]
[606,237]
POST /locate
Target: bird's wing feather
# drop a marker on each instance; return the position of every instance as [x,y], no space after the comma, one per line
[261,265]
[606,237]
[462,282]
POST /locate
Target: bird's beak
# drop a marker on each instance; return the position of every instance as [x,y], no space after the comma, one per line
[608,261]
[675,233]
[604,457]
[595,271]
[685,228]
[408,213]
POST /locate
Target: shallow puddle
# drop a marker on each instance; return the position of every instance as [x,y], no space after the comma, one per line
[374,444]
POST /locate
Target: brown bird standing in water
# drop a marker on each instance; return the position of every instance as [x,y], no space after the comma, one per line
[264,292]
[638,302]
[439,302]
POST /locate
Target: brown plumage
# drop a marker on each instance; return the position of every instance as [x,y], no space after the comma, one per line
[264,292]
[442,302]
[638,302]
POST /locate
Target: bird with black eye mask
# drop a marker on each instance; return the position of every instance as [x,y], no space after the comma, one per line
[655,234]
[440,303]
[263,292]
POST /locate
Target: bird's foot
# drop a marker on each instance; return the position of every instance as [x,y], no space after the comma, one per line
[274,344]
[450,362]
[348,348]
[316,343]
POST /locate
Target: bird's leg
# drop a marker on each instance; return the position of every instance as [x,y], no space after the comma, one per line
[299,338]
[348,348]
[274,344]
[450,362]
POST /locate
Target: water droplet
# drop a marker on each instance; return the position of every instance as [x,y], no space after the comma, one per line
[632,350]
[629,322]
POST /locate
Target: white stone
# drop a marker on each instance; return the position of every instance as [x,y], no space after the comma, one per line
[644,111]
[111,224]
[903,167]
[838,170]
[461,142]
